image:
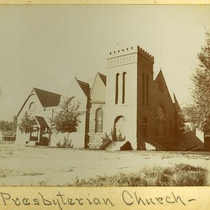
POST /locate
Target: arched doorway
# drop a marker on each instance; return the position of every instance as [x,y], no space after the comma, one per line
[120,128]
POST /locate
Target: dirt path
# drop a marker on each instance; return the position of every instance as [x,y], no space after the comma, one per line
[30,166]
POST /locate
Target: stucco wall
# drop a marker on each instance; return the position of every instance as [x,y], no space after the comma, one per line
[128,109]
[47,113]
[22,138]
[78,138]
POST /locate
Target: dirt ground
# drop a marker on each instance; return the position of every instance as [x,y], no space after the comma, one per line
[42,166]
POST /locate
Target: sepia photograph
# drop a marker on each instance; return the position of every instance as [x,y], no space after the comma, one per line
[104,96]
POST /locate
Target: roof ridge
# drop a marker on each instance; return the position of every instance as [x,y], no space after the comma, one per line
[45,91]
[81,81]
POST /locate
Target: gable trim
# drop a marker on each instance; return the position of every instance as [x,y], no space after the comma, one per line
[25,103]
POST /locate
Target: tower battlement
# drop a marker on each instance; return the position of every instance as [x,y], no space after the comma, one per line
[130,50]
[123,51]
[145,54]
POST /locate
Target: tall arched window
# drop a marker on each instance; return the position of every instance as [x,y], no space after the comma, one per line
[147,90]
[160,121]
[143,89]
[123,87]
[99,121]
[116,88]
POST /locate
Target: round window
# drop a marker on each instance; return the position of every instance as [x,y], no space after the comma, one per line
[32,106]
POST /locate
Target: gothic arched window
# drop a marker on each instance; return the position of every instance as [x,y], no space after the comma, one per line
[99,121]
[160,121]
[123,88]
[116,88]
[147,90]
[143,89]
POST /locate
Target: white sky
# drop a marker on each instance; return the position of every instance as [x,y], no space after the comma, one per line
[47,46]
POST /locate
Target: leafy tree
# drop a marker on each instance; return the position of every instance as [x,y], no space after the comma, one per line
[198,112]
[67,119]
[26,123]
[5,125]
[2,125]
[9,126]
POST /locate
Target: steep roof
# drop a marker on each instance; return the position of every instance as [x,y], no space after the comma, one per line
[47,99]
[103,78]
[84,86]
[180,111]
[176,104]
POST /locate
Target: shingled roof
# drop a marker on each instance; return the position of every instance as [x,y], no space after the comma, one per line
[47,99]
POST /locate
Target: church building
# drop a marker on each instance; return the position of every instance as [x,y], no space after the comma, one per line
[127,103]
[133,104]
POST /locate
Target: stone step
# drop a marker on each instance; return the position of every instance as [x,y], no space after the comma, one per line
[115,145]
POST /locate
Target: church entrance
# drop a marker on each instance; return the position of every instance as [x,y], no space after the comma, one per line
[44,132]
[120,128]
[142,135]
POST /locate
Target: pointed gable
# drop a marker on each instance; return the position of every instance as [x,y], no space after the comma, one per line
[98,90]
[103,77]
[46,98]
[161,85]
[84,86]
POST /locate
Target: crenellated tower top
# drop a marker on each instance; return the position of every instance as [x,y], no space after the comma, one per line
[130,50]
[145,54]
[127,55]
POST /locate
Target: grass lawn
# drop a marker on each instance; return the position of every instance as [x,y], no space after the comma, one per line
[43,166]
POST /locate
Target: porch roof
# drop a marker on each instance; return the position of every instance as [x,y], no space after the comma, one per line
[41,122]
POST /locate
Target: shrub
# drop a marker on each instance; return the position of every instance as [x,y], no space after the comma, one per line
[66,143]
[120,138]
[106,141]
[177,175]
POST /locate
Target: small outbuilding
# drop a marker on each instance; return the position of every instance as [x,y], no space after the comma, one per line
[7,136]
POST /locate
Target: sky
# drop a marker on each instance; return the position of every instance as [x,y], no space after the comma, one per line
[48,46]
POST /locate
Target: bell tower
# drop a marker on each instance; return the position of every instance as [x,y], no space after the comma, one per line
[145,103]
[129,79]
